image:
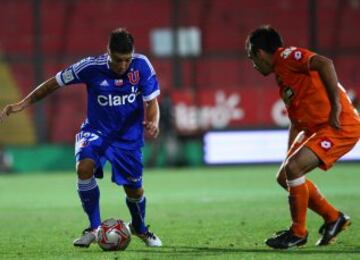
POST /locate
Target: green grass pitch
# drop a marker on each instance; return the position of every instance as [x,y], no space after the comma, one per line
[200,213]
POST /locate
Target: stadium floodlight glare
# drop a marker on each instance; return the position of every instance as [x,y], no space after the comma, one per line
[255,146]
[188,42]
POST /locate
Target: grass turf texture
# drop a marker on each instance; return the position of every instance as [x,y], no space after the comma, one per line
[212,213]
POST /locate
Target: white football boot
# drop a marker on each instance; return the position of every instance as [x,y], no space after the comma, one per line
[88,237]
[149,238]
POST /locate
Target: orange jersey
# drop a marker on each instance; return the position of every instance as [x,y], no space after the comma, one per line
[304,93]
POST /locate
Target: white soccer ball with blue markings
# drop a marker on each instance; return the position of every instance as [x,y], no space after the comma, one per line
[113,235]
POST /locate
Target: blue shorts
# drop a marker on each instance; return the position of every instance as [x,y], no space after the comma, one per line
[126,165]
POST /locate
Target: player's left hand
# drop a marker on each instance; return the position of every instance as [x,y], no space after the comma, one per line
[151,128]
[334,118]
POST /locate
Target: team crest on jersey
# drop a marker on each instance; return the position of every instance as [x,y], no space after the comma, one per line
[287,95]
[326,144]
[119,82]
[134,77]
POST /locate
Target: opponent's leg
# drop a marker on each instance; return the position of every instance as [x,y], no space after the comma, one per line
[317,202]
[136,202]
[296,167]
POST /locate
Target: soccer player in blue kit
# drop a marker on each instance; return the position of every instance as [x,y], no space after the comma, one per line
[122,101]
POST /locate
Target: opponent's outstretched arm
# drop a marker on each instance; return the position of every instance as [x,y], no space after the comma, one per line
[43,90]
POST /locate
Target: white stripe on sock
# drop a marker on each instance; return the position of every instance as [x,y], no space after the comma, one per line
[88,184]
[296,182]
[139,200]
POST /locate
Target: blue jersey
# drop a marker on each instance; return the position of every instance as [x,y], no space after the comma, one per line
[115,104]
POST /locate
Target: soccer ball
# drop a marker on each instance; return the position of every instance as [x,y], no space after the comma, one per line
[113,235]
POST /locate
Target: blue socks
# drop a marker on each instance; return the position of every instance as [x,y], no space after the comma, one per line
[137,211]
[89,194]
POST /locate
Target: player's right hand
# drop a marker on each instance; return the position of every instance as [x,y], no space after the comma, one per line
[334,118]
[151,128]
[9,109]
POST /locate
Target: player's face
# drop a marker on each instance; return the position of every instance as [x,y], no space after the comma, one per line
[119,62]
[259,62]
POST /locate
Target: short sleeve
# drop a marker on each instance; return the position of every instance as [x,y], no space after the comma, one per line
[149,82]
[298,60]
[79,72]
[151,89]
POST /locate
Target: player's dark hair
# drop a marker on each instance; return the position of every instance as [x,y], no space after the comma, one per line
[121,41]
[265,38]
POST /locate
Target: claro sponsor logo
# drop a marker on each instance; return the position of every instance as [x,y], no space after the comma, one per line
[217,116]
[117,100]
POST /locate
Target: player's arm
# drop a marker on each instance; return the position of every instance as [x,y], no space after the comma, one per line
[43,90]
[152,117]
[326,70]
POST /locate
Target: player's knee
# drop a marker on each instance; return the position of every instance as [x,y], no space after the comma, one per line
[84,170]
[281,179]
[134,193]
[292,170]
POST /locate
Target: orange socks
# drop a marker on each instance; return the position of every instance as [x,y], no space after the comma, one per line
[303,193]
[319,204]
[298,201]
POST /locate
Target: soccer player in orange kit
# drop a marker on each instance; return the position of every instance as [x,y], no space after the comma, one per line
[324,127]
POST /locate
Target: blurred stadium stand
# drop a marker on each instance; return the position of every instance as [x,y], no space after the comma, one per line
[39,37]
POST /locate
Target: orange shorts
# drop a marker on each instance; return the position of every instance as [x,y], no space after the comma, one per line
[328,144]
